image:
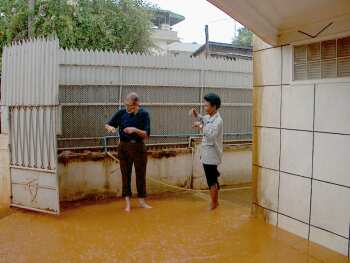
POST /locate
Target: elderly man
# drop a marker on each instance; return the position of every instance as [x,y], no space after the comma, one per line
[134,127]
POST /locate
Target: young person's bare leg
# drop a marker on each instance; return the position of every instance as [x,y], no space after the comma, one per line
[214,195]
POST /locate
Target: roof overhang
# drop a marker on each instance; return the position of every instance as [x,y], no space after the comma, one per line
[280,22]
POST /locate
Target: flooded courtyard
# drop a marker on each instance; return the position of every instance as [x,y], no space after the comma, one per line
[179,228]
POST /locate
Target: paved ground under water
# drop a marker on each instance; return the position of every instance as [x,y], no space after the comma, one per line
[179,228]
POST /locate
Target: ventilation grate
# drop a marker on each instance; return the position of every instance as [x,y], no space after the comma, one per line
[321,60]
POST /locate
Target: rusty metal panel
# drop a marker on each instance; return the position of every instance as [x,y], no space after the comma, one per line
[35,190]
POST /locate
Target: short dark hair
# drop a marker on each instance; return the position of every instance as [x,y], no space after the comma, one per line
[213,99]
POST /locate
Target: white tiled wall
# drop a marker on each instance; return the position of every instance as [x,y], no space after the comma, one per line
[329,240]
[308,150]
[331,208]
[291,204]
[267,187]
[287,64]
[332,159]
[267,143]
[333,108]
[298,107]
[296,152]
[267,67]
[268,101]
[294,226]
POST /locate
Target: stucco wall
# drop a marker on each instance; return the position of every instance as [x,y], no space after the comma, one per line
[99,176]
[301,149]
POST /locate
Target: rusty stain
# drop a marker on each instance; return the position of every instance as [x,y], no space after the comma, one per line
[66,157]
[237,148]
[4,211]
[179,228]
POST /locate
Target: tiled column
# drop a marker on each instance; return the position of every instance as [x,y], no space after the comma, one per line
[268,76]
[301,150]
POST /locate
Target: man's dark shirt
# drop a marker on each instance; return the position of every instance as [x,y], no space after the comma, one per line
[122,119]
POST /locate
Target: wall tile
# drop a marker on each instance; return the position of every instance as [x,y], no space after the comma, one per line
[267,67]
[298,107]
[331,207]
[296,152]
[329,240]
[332,108]
[294,197]
[331,158]
[293,226]
[267,106]
[266,147]
[267,187]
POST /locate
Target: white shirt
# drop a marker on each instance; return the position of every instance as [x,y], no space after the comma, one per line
[213,136]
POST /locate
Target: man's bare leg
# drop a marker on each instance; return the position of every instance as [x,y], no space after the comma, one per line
[127,204]
[143,203]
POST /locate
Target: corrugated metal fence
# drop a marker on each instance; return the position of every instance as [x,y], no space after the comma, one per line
[93,85]
[29,92]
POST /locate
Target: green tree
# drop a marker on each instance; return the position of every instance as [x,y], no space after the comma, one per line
[244,37]
[123,25]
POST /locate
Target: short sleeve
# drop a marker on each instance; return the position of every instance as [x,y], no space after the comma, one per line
[115,120]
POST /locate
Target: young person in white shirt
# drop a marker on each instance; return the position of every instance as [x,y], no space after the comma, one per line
[211,125]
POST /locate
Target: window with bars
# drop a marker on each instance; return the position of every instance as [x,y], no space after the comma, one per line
[322,60]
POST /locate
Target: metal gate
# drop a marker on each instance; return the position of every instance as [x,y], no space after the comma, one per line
[33,158]
[30,93]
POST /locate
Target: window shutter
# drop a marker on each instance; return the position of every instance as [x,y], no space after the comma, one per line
[326,59]
[344,57]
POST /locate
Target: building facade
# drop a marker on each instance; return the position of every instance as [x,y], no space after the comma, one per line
[162,33]
[301,115]
[224,50]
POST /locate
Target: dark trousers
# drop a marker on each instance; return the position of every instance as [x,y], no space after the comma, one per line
[212,174]
[133,154]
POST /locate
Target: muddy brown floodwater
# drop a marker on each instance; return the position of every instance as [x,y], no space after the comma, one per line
[179,228]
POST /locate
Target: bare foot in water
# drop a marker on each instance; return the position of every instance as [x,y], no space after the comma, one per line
[143,204]
[213,206]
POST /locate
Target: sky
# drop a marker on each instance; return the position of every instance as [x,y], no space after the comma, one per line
[198,13]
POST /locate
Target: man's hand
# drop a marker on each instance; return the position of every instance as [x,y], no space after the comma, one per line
[140,133]
[130,130]
[197,124]
[110,129]
[193,112]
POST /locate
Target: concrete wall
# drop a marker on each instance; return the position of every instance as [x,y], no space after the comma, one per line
[97,176]
[301,149]
[5,189]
